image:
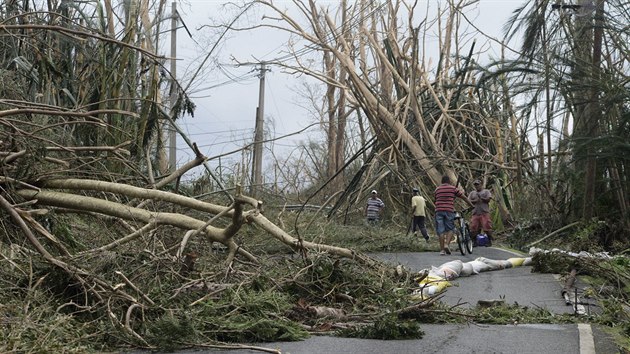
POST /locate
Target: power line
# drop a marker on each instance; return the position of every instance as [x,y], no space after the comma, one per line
[224,69]
[221,131]
[232,80]
[234,141]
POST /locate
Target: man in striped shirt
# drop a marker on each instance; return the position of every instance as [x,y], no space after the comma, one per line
[445,195]
[374,208]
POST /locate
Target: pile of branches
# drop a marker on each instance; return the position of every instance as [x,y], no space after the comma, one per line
[92,241]
[101,246]
[612,272]
[142,296]
[609,281]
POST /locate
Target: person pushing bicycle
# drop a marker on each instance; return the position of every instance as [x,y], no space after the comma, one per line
[480,220]
[445,195]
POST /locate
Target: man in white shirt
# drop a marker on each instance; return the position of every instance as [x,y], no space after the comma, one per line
[418,204]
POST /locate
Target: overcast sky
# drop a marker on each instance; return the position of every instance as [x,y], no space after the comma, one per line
[227,97]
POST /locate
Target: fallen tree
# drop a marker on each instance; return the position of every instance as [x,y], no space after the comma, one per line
[97,241]
[223,235]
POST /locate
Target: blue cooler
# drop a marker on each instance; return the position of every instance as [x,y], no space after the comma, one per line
[482,240]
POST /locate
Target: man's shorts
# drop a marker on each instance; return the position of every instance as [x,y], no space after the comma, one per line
[372,221]
[480,222]
[444,221]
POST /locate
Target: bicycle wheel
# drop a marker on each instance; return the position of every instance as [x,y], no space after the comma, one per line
[460,241]
[468,240]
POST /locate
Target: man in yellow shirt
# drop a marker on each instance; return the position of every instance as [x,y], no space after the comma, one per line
[419,214]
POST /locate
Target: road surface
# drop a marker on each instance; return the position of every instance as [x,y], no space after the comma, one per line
[514,285]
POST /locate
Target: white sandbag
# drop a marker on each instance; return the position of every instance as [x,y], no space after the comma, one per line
[448,273]
[444,272]
[494,264]
[467,270]
[527,261]
[450,270]
[479,266]
[423,294]
[435,272]
[505,263]
[455,265]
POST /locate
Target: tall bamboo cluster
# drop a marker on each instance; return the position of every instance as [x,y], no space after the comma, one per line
[421,106]
[84,75]
[531,124]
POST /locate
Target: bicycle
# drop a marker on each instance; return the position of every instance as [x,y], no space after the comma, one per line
[462,233]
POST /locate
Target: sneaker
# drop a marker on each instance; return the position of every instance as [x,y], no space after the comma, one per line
[442,253]
[447,250]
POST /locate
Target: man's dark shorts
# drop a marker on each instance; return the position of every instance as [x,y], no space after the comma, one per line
[444,221]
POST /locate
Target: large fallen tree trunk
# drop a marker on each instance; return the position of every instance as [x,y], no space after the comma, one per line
[283,236]
[119,210]
[77,202]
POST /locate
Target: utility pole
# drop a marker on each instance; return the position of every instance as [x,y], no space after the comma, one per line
[172,136]
[258,135]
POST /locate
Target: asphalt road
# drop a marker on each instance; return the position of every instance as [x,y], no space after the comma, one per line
[514,285]
[447,339]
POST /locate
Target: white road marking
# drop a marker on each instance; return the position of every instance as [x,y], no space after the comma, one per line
[516,253]
[587,343]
